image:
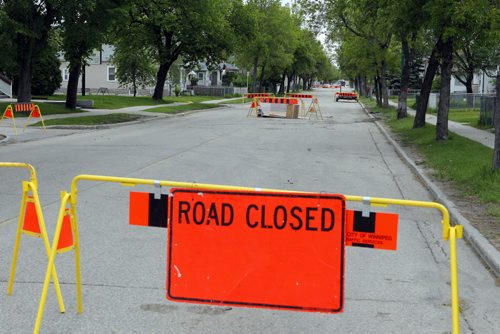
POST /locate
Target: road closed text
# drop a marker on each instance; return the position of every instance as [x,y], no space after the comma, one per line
[256,216]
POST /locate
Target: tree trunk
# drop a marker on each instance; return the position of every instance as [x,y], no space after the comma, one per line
[383,85]
[289,83]
[405,79]
[425,90]
[261,80]
[378,98]
[25,70]
[444,92]
[496,152]
[72,90]
[282,84]
[161,77]
[254,74]
[134,85]
[468,87]
[83,80]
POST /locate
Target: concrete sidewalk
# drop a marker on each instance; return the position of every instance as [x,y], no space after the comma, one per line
[484,137]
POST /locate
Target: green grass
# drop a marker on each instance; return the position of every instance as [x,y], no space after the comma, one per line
[46,109]
[466,163]
[115,101]
[186,107]
[119,101]
[92,120]
[193,98]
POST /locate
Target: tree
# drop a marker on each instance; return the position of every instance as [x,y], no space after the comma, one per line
[28,24]
[84,28]
[192,29]
[476,48]
[269,45]
[134,61]
[46,71]
[496,151]
[366,19]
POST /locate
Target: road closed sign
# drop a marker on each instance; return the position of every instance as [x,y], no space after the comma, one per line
[257,249]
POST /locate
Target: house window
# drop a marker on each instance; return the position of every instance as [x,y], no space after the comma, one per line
[200,76]
[111,73]
[66,74]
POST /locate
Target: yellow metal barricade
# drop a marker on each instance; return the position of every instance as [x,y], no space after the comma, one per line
[32,200]
[450,233]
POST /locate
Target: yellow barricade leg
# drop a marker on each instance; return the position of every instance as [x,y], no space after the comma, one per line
[455,311]
[50,265]
[27,186]
[76,240]
[18,239]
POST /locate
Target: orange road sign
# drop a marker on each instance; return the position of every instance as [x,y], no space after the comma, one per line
[31,224]
[378,230]
[257,249]
[66,242]
[146,210]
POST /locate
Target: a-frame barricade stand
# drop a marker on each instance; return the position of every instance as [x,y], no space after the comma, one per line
[255,101]
[31,223]
[9,113]
[315,109]
[35,113]
[253,107]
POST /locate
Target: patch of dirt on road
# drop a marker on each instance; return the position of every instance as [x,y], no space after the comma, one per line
[469,206]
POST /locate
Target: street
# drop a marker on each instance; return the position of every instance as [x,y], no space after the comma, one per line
[124,267]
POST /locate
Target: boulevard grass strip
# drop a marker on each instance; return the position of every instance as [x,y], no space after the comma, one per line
[46,109]
[181,108]
[194,99]
[92,120]
[465,163]
[115,101]
[120,101]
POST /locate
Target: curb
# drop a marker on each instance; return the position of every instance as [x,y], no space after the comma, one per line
[485,250]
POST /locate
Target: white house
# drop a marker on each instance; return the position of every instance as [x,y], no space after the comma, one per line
[100,75]
[481,84]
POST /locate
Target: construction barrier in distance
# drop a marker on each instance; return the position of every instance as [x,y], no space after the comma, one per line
[450,233]
[346,96]
[31,223]
[256,95]
[34,110]
[313,107]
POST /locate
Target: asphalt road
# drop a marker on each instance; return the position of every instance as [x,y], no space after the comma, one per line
[124,267]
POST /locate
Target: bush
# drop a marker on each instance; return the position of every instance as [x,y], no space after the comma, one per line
[177,90]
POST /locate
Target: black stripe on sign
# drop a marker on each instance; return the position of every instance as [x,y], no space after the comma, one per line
[364,224]
[357,244]
[158,211]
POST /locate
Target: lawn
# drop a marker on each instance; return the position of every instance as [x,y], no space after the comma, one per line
[92,120]
[466,163]
[181,108]
[115,101]
[468,117]
[121,101]
[45,108]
